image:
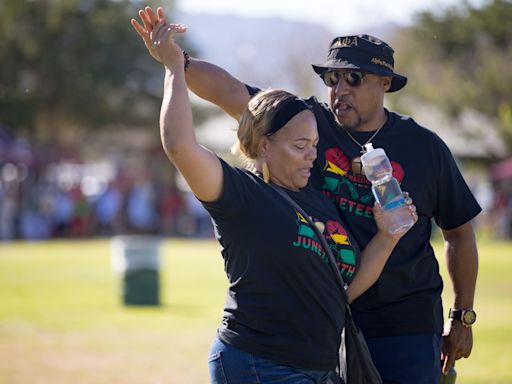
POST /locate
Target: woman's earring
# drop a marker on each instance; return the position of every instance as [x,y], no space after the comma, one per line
[266,172]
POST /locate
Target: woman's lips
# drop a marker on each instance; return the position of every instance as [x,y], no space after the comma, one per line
[306,172]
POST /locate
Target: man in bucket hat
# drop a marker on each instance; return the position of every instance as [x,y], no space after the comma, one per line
[401,315]
[362,52]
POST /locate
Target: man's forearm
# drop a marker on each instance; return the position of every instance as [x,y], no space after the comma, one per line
[216,85]
[462,261]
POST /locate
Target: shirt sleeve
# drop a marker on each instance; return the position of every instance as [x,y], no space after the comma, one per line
[456,204]
[234,196]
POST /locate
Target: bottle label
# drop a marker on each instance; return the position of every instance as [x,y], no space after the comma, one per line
[388,193]
[394,204]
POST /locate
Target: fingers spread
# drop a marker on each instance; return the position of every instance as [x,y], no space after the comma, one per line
[145,21]
[138,28]
[161,14]
[152,15]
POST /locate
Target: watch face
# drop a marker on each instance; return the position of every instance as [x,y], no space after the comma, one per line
[468,317]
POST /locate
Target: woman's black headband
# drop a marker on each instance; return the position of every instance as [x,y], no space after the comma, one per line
[284,113]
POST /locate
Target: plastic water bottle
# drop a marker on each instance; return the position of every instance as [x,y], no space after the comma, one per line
[449,378]
[386,189]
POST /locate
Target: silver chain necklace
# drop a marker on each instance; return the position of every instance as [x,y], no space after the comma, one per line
[357,166]
[363,150]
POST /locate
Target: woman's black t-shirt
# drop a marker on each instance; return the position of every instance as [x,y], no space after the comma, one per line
[283,302]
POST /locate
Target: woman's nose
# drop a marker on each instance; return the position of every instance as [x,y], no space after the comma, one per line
[311,155]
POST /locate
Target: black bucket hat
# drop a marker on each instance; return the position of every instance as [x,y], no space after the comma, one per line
[363,52]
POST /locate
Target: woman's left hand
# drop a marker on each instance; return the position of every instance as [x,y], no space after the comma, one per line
[382,217]
[149,19]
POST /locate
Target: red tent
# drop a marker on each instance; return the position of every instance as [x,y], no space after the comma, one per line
[502,171]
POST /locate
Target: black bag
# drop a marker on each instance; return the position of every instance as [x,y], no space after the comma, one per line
[358,367]
[355,361]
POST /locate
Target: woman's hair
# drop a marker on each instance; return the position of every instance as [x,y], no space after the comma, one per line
[254,121]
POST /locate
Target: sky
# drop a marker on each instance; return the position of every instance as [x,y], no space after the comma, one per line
[337,15]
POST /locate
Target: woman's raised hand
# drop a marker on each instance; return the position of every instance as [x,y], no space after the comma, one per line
[150,21]
[162,42]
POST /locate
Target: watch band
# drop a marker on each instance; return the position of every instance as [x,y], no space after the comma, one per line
[466,316]
[455,314]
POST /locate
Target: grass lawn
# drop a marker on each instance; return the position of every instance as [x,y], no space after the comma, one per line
[62,319]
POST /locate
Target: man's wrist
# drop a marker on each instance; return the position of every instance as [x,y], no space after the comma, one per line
[466,316]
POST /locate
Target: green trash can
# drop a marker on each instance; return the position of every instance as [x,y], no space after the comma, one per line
[137,259]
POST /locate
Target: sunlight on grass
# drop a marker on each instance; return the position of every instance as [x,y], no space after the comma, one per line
[62,319]
[491,358]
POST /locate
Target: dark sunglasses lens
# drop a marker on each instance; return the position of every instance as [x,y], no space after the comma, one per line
[353,78]
[330,78]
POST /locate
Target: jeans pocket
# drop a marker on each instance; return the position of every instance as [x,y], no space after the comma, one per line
[217,374]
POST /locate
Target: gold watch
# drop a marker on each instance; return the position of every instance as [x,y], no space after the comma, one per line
[466,316]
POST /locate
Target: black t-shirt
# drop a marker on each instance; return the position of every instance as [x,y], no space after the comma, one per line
[283,301]
[406,299]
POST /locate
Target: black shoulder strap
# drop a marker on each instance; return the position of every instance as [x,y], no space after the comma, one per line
[320,236]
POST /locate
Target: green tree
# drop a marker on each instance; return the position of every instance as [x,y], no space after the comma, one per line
[461,59]
[74,63]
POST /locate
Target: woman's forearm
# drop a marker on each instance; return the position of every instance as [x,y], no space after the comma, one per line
[176,130]
[373,259]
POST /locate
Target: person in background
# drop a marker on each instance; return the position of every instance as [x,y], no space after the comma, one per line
[401,315]
[141,206]
[107,208]
[284,311]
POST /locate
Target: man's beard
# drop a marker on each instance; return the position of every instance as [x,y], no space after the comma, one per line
[350,125]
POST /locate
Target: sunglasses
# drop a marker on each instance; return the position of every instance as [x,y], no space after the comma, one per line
[352,78]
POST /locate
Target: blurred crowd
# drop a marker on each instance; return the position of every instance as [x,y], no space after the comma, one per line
[52,192]
[49,193]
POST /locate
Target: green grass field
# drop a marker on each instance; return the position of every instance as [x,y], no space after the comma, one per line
[62,320]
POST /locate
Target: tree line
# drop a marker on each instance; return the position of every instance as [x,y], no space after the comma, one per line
[462,59]
[76,63]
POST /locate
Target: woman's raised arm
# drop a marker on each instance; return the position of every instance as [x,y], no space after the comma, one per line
[200,167]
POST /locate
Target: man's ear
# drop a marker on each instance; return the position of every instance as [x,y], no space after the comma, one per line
[386,83]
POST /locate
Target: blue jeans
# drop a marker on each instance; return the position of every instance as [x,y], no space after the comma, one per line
[229,365]
[414,359]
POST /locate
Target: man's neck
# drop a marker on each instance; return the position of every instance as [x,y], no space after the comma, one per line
[374,124]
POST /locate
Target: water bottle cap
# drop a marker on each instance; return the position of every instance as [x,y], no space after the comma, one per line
[372,153]
[368,147]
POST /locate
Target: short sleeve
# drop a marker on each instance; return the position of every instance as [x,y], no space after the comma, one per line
[235,192]
[456,204]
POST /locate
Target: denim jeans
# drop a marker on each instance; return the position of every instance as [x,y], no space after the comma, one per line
[229,365]
[414,359]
